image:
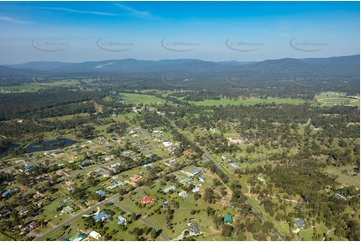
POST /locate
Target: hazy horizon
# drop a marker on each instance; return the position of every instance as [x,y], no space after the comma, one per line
[215,61]
[210,31]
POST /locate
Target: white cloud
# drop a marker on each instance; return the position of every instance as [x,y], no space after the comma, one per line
[81,11]
[136,13]
[12,20]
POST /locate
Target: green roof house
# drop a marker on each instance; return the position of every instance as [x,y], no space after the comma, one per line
[228,219]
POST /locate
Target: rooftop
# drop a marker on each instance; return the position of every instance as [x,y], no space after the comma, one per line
[228,219]
[300,223]
[121,219]
[101,193]
[147,200]
[101,216]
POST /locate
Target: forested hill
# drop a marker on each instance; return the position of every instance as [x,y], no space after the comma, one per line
[346,66]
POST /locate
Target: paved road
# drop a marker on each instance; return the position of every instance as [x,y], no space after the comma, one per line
[68,222]
[208,157]
[254,208]
[146,221]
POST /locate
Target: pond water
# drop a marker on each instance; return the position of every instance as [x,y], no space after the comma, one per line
[49,145]
[9,148]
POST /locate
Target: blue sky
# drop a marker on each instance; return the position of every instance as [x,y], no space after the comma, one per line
[218,31]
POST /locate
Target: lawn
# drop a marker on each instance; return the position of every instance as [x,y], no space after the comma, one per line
[51,213]
[247,102]
[131,98]
[4,237]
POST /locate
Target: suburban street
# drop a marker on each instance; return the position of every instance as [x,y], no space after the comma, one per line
[44,236]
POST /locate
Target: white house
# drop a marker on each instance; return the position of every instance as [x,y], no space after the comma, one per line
[95,235]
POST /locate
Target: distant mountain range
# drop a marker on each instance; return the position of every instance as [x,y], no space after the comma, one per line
[344,66]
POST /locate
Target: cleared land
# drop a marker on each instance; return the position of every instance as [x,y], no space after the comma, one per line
[247,102]
[329,99]
[131,98]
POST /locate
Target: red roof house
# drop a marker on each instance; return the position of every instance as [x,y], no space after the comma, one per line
[147,200]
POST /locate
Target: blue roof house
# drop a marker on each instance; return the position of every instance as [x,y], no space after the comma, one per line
[101,216]
[101,193]
[29,166]
[195,172]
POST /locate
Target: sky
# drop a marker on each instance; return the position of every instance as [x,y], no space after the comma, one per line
[215,31]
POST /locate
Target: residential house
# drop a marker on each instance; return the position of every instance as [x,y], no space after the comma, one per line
[195,189]
[94,235]
[202,179]
[148,165]
[186,180]
[29,166]
[168,189]
[61,173]
[23,211]
[115,165]
[33,225]
[147,200]
[104,173]
[183,194]
[167,144]
[195,172]
[101,216]
[85,163]
[236,141]
[135,177]
[115,185]
[193,226]
[5,214]
[228,219]
[38,195]
[9,193]
[300,223]
[101,193]
[171,162]
[70,183]
[67,209]
[121,220]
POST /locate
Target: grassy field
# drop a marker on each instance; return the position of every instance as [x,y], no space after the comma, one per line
[344,178]
[22,88]
[131,98]
[66,117]
[4,237]
[247,102]
[329,99]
